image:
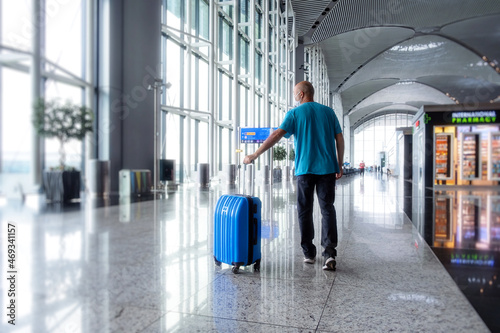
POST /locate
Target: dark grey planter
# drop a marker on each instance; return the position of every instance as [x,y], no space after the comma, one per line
[61,186]
[277,175]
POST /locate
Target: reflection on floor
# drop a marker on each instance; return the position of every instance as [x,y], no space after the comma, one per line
[148,267]
[465,236]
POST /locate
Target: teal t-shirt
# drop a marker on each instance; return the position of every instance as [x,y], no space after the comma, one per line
[314,127]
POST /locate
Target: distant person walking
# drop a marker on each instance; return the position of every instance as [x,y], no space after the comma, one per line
[319,152]
[362,168]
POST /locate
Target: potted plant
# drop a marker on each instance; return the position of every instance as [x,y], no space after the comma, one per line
[63,121]
[279,154]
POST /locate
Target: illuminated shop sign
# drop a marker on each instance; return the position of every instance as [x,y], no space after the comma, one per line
[473,259]
[477,117]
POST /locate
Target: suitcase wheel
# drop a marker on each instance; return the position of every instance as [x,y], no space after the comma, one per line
[217,262]
[256,266]
[235,269]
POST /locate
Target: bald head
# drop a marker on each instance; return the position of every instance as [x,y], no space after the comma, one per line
[307,90]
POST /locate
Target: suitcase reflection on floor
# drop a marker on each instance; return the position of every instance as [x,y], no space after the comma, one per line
[270,229]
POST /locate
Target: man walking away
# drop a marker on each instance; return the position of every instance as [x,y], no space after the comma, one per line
[319,152]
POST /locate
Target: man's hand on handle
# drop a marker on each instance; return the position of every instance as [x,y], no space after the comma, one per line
[249,159]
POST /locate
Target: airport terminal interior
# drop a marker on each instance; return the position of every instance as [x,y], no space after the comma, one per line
[123,122]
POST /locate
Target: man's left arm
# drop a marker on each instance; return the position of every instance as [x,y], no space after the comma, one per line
[339,140]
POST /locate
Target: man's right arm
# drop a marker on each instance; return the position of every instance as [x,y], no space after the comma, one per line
[268,143]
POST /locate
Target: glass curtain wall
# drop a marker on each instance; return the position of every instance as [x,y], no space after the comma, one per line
[53,37]
[219,78]
[316,72]
[372,137]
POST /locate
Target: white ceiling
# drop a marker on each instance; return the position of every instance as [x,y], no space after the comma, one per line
[397,55]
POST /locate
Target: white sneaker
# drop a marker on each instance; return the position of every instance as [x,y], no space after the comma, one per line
[309,260]
[330,264]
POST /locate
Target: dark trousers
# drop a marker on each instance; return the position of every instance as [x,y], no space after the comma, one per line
[325,189]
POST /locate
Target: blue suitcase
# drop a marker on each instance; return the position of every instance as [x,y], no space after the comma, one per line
[237,231]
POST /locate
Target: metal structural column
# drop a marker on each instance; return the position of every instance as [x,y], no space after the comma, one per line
[187,89]
[1,98]
[36,87]
[271,64]
[290,61]
[276,59]
[236,91]
[279,74]
[265,63]
[157,88]
[90,144]
[251,104]
[211,86]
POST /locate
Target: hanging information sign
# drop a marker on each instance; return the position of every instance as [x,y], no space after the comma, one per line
[256,134]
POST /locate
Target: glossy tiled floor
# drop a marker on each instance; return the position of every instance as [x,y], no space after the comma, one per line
[148,267]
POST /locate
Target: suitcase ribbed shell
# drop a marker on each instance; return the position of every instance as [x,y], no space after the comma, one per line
[237,230]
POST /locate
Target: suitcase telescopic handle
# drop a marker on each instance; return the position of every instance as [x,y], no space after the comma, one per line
[255,228]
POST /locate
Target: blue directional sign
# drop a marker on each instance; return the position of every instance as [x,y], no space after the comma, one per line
[256,134]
